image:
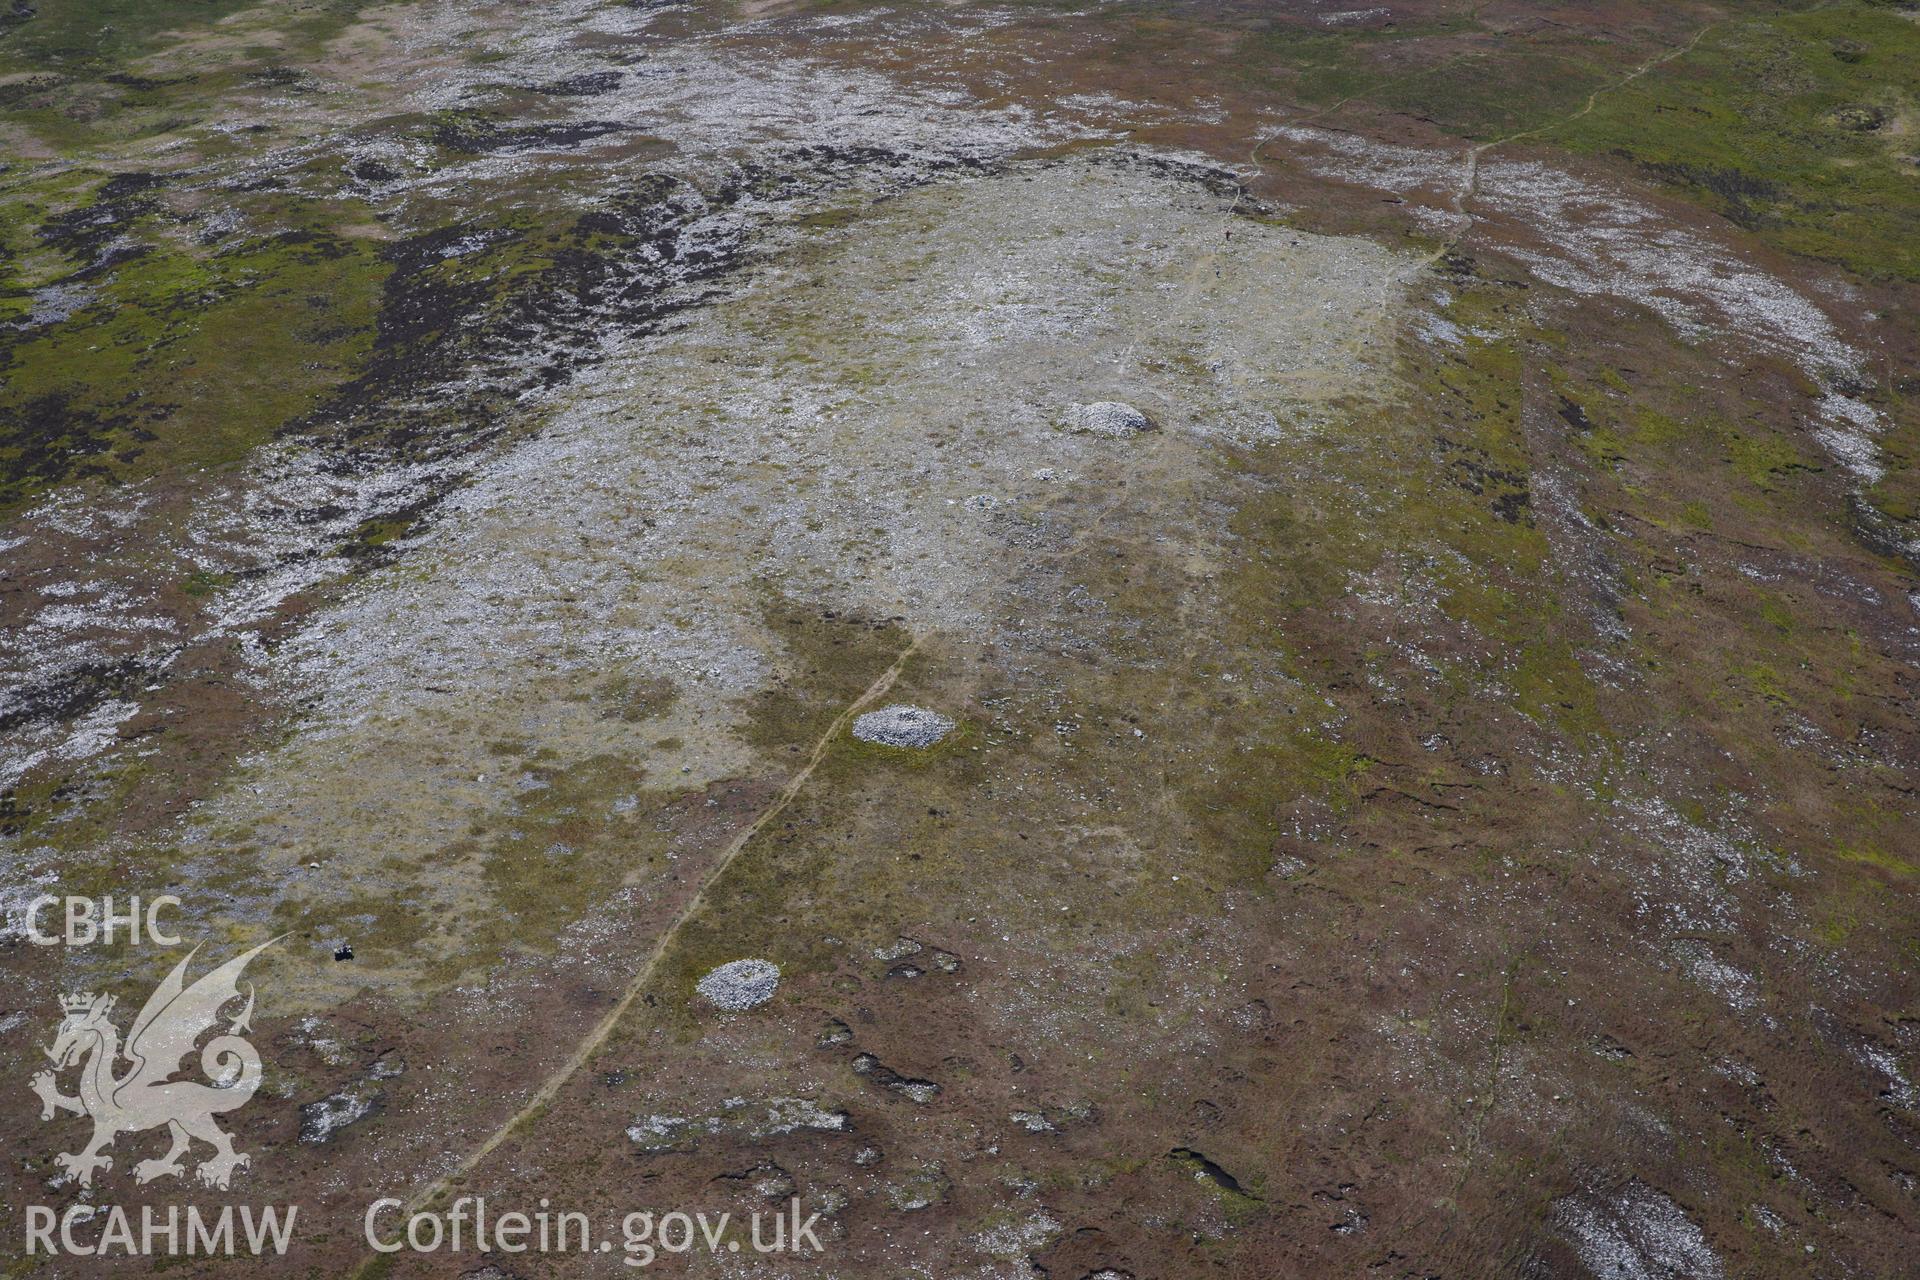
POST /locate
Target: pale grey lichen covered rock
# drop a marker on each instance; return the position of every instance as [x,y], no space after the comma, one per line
[902,726]
[1635,1232]
[741,1117]
[740,984]
[1111,418]
[899,949]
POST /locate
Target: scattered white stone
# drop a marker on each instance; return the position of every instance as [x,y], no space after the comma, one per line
[1736,986]
[922,1189]
[319,1121]
[1111,418]
[1011,1241]
[1635,1232]
[55,302]
[902,726]
[741,984]
[1872,1055]
[785,1115]
[899,949]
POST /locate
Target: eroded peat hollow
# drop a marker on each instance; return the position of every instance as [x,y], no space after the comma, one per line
[1111,641]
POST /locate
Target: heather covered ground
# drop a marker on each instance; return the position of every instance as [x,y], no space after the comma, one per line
[1294,627]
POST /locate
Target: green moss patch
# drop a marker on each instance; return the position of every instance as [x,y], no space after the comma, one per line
[1799,127]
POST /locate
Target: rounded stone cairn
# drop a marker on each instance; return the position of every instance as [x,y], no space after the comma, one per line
[740,984]
[1112,419]
[902,726]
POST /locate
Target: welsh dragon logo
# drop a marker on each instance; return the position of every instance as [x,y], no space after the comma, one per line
[143,1096]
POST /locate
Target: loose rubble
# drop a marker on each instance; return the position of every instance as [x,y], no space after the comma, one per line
[740,984]
[902,726]
[1112,419]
